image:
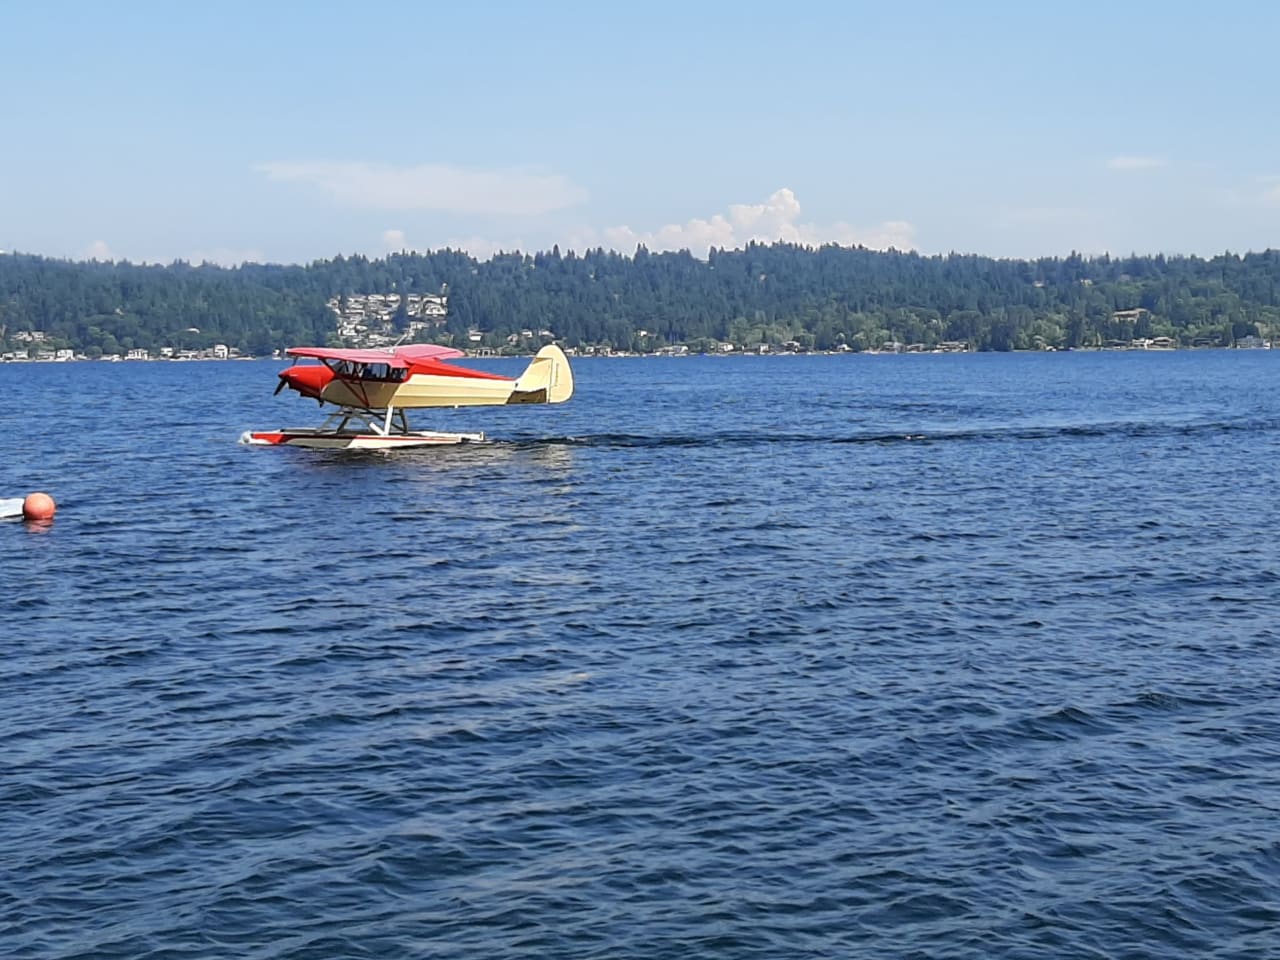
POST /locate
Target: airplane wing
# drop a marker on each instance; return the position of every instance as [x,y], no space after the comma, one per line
[427,351]
[400,357]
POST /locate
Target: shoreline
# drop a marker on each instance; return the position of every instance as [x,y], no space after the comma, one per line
[669,354]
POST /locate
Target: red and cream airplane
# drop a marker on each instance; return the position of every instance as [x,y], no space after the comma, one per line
[372,389]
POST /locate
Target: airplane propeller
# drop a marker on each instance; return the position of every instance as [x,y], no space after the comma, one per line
[279,387]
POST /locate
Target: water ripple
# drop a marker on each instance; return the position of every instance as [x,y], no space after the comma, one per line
[965,658]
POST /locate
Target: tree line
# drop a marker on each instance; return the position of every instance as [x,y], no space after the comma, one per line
[822,298]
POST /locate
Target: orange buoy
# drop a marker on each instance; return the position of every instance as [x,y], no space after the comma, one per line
[38,506]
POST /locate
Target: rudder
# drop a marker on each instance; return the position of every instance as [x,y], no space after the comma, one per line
[548,379]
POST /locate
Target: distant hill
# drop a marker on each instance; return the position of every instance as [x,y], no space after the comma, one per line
[813,298]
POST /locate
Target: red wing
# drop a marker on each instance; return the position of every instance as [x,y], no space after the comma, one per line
[398,357]
[355,356]
[428,351]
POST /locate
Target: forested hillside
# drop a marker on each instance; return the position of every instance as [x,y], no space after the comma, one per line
[818,298]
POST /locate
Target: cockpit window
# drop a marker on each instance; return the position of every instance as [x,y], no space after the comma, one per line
[351,370]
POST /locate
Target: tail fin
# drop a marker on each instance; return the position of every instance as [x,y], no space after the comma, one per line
[547,379]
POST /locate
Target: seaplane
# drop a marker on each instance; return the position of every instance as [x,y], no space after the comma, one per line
[372,391]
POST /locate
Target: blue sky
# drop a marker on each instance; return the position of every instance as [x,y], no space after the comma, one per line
[288,132]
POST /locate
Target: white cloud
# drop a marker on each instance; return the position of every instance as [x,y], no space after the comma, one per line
[433,187]
[226,256]
[1270,191]
[1047,216]
[1137,163]
[98,250]
[483,248]
[778,218]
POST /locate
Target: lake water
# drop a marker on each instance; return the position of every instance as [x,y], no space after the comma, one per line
[823,657]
